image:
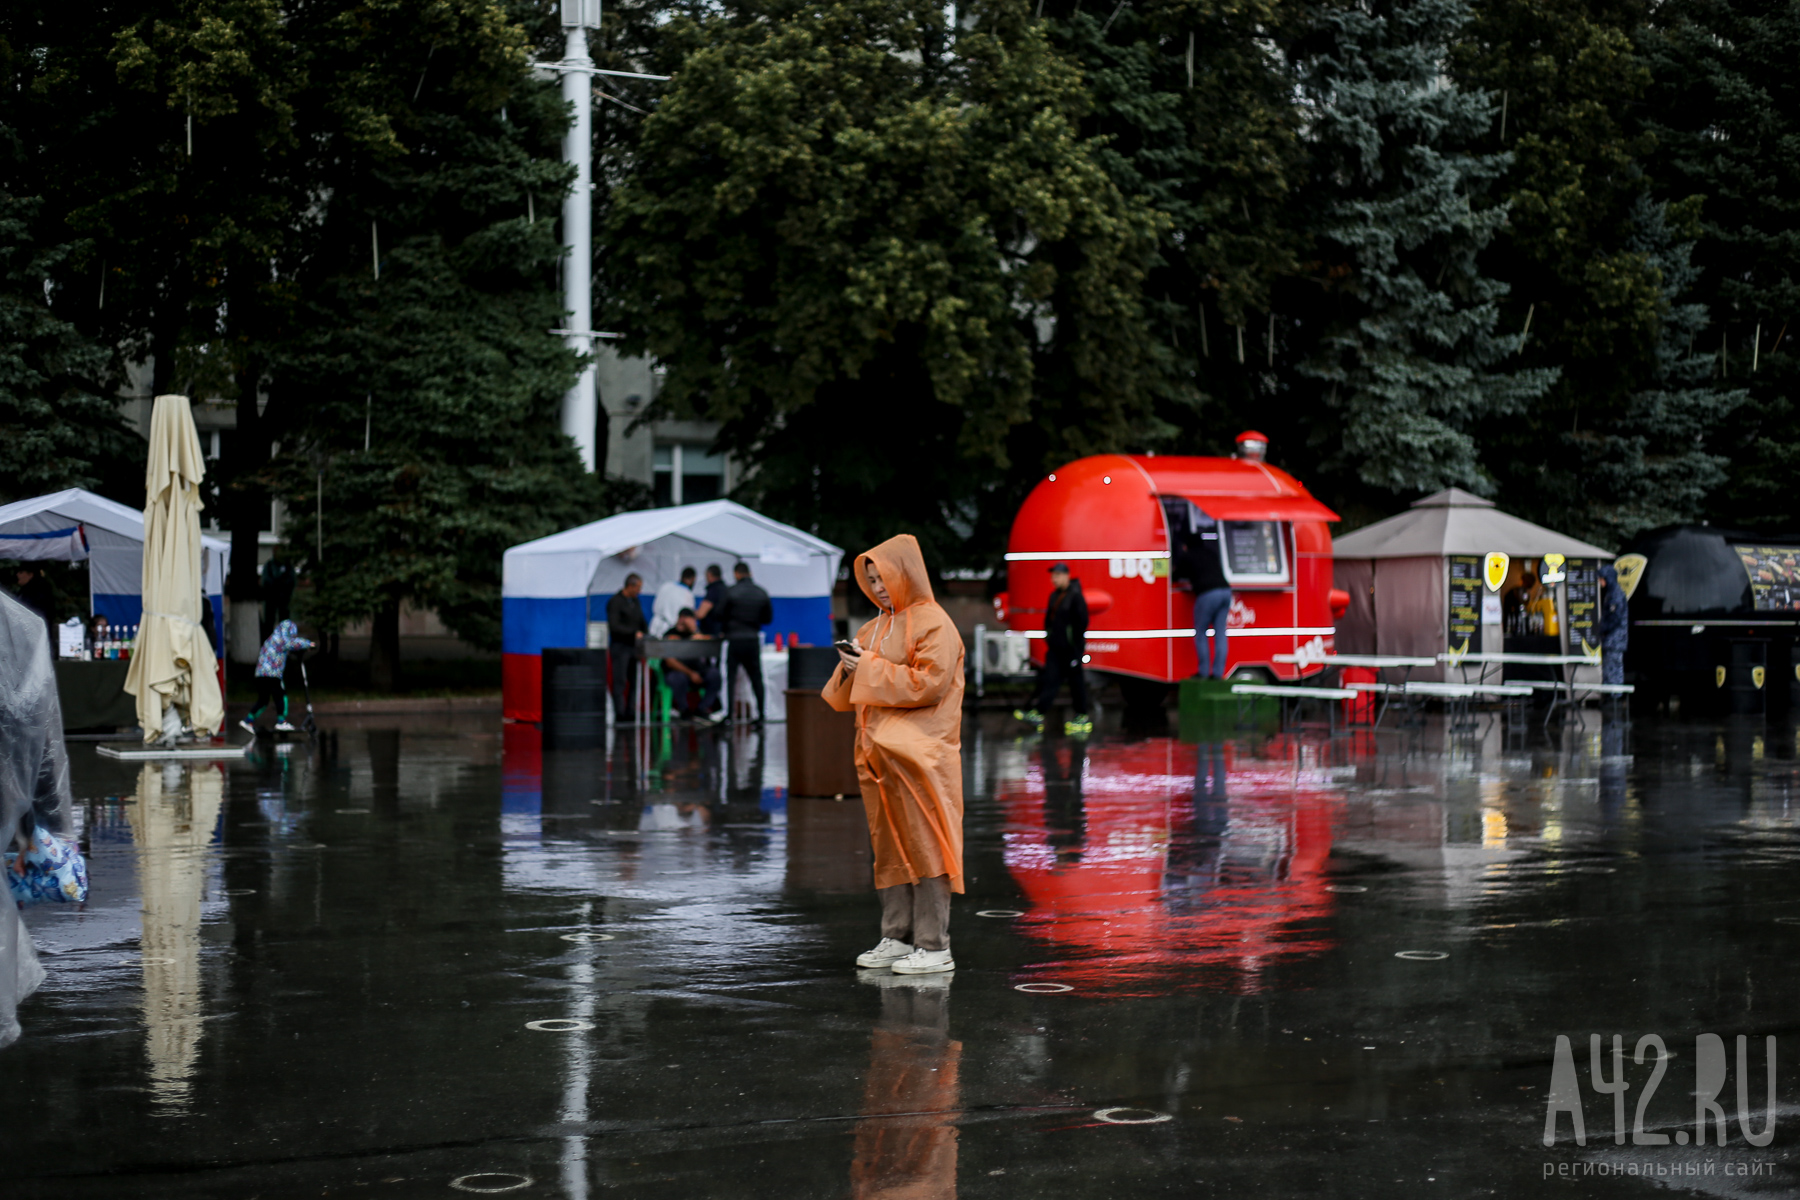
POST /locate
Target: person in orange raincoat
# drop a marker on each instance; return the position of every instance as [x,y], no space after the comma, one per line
[903,677]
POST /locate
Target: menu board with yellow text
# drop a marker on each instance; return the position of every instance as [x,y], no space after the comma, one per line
[1465,604]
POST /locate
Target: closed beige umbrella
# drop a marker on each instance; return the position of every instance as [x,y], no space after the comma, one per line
[174,674]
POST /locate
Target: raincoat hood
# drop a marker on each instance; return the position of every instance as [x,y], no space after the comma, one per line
[901,566]
[1609,573]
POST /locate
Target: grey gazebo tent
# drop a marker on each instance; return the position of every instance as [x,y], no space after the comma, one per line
[1397,571]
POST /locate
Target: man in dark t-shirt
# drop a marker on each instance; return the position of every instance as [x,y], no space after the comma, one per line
[712,601]
[625,629]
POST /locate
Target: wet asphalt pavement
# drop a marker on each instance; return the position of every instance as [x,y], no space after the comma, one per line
[435,960]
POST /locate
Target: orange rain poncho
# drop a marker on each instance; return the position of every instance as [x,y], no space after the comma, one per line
[907,692]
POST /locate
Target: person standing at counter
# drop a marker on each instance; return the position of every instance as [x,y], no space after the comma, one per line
[745,612]
[1615,625]
[1203,568]
[903,677]
[625,629]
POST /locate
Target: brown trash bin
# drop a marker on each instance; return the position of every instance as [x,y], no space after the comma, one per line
[821,747]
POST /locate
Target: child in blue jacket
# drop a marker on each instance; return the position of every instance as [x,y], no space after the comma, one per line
[271,665]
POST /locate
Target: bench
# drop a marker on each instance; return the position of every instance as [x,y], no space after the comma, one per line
[1289,694]
[1571,692]
[1460,697]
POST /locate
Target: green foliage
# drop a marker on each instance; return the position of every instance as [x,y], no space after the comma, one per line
[1651,465]
[1192,108]
[55,427]
[228,166]
[850,233]
[1596,272]
[442,367]
[1725,109]
[1399,331]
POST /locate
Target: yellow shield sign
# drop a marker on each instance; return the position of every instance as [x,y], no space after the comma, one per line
[1494,570]
[1553,569]
[1631,569]
[1758,674]
[1718,676]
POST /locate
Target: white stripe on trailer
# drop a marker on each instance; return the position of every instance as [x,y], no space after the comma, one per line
[1102,635]
[1083,555]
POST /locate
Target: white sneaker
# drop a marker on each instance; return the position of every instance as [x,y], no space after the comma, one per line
[248,727]
[889,952]
[283,727]
[925,962]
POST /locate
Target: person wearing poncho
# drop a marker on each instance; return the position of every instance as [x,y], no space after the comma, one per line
[905,683]
[34,785]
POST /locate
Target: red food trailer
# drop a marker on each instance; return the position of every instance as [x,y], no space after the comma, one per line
[1117,518]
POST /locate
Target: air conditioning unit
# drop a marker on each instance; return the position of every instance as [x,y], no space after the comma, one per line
[1006,655]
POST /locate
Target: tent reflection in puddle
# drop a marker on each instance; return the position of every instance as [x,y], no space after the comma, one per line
[1144,861]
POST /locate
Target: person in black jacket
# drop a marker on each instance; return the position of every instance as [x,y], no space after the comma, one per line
[1065,644]
[741,617]
[626,626]
[1615,625]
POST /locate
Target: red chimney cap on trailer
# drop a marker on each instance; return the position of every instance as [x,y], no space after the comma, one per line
[1252,445]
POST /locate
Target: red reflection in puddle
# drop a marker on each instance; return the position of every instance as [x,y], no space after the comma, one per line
[1159,864]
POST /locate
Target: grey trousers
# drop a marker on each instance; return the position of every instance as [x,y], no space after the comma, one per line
[917,913]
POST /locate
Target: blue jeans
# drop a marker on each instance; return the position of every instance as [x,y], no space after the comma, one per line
[1211,609]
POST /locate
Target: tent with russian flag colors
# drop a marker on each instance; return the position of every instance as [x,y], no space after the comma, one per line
[551,589]
[77,526]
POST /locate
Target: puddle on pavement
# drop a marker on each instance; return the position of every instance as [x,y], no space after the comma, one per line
[1256,964]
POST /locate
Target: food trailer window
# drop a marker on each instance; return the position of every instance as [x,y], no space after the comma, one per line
[1255,552]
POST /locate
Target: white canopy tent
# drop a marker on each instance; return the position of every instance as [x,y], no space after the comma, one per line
[550,587]
[78,526]
[1397,571]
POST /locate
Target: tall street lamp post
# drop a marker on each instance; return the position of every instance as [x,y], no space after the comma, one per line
[580,404]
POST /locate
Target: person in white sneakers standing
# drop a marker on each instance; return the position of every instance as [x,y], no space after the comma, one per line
[903,676]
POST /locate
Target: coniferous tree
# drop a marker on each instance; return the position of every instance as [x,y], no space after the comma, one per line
[419,363]
[1654,462]
[1397,328]
[56,428]
[1569,80]
[1192,108]
[1724,106]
